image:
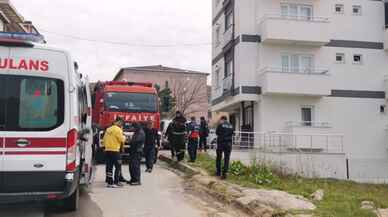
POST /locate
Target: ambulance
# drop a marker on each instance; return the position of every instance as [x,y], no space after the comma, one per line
[45,123]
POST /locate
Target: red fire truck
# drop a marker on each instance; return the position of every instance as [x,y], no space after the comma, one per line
[135,102]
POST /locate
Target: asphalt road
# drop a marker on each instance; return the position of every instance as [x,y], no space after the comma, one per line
[162,194]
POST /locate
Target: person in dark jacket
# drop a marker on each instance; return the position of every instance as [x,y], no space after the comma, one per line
[193,134]
[151,139]
[203,134]
[135,154]
[178,135]
[169,139]
[224,146]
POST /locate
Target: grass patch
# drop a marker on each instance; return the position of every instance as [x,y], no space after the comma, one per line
[342,198]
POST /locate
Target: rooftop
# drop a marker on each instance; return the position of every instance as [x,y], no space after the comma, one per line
[158,68]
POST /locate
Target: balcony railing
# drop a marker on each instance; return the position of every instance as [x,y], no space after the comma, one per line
[298,70]
[295,81]
[304,30]
[275,142]
[299,18]
[308,124]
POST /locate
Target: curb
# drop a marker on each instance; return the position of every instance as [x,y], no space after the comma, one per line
[190,171]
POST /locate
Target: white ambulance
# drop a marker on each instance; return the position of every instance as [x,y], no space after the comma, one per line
[45,123]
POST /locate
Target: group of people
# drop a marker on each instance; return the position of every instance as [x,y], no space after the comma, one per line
[145,140]
[196,134]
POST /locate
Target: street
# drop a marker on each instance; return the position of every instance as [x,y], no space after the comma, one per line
[163,194]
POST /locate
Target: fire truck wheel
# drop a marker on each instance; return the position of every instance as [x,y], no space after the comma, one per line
[71,203]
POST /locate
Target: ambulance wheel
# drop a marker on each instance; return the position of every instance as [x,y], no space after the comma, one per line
[71,203]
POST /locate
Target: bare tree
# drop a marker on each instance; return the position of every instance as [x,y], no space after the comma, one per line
[189,95]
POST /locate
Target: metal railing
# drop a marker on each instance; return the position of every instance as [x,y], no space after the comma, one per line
[295,70]
[294,17]
[289,142]
[308,124]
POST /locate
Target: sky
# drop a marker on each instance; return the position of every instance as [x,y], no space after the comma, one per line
[125,33]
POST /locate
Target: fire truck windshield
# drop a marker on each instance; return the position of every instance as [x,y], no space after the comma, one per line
[130,102]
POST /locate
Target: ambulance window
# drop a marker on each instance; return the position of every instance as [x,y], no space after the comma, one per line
[35,104]
[2,102]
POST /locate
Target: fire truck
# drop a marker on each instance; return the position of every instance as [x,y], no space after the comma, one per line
[134,102]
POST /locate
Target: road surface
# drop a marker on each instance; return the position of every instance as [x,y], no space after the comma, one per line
[163,194]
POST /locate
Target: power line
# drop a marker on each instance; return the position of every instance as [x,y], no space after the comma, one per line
[124,43]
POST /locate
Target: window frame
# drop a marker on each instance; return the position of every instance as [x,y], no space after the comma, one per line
[342,6]
[298,11]
[361,59]
[359,7]
[299,68]
[343,58]
[15,126]
[312,111]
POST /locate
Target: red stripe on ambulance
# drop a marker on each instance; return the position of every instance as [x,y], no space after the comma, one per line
[37,142]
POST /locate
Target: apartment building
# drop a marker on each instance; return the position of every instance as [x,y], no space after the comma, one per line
[12,21]
[305,67]
[188,87]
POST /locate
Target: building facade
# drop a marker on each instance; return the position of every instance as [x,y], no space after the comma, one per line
[12,21]
[304,67]
[188,87]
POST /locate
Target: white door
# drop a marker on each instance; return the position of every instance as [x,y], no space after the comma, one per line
[306,64]
[306,12]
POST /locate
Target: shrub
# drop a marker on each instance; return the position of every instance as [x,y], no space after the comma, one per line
[261,174]
[237,168]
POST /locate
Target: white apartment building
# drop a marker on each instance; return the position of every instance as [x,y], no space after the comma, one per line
[305,67]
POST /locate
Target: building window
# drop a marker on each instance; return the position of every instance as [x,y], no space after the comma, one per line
[218,40]
[297,63]
[357,59]
[304,12]
[2,26]
[228,20]
[307,113]
[339,9]
[340,58]
[228,64]
[217,78]
[357,10]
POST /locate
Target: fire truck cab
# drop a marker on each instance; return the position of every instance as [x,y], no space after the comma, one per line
[45,123]
[135,102]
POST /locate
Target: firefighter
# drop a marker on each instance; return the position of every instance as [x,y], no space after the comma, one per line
[224,146]
[168,134]
[193,134]
[178,139]
[113,142]
[150,146]
[135,154]
[203,133]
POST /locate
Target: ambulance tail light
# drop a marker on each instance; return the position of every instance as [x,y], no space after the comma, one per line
[71,146]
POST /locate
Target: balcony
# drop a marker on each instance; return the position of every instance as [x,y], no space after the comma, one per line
[228,36]
[303,82]
[299,30]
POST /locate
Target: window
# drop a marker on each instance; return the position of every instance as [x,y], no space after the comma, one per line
[218,42]
[228,20]
[339,9]
[229,68]
[31,103]
[357,10]
[307,115]
[297,63]
[2,26]
[228,71]
[217,78]
[130,102]
[297,11]
[357,59]
[340,58]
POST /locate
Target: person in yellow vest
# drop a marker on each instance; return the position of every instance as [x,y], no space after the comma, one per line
[113,142]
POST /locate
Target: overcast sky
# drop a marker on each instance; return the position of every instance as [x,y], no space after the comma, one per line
[145,25]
